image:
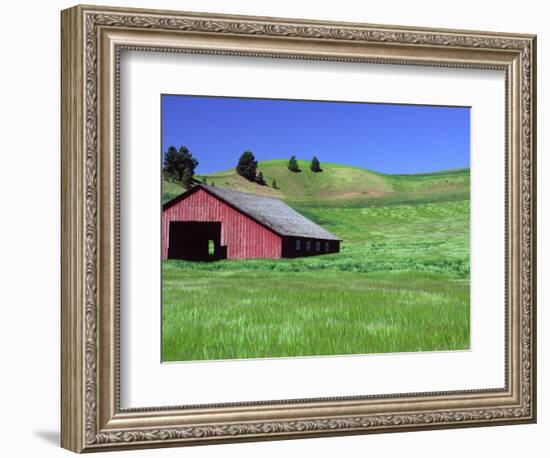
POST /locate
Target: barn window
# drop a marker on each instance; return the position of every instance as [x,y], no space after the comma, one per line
[318,247]
[297,245]
[308,245]
[327,246]
[211,247]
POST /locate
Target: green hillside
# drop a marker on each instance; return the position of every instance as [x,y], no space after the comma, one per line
[400,283]
[340,185]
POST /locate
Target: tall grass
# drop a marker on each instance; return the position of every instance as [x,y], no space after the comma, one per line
[400,283]
[226,315]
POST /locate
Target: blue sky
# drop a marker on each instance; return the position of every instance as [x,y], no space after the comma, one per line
[382,137]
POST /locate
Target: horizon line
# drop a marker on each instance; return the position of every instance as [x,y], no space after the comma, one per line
[453,169]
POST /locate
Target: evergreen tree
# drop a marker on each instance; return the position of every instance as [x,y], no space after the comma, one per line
[170,163]
[260,178]
[274,184]
[204,180]
[315,165]
[179,166]
[247,166]
[293,165]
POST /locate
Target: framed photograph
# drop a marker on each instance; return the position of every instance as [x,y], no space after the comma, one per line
[278,228]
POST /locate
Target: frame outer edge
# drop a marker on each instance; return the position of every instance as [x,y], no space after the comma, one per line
[72,225]
[533,112]
[81,377]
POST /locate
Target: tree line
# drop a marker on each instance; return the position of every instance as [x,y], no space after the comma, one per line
[314,166]
[179,166]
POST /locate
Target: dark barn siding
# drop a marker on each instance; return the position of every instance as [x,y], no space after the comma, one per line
[291,250]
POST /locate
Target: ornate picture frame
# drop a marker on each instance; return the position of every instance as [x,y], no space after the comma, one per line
[92,41]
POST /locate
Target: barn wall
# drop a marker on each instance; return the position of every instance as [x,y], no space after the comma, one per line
[245,239]
[290,251]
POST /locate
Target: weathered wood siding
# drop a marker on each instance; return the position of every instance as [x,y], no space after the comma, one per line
[244,237]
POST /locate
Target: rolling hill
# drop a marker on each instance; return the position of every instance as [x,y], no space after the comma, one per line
[340,185]
[400,282]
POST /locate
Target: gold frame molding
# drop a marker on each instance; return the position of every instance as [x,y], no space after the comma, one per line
[92,40]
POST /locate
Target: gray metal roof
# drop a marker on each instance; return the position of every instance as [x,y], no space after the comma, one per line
[273,213]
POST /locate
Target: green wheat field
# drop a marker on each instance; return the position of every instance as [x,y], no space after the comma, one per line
[401,282]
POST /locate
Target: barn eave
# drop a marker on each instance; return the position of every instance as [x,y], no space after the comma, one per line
[279,233]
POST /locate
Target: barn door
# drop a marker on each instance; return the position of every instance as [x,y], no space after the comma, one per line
[195,241]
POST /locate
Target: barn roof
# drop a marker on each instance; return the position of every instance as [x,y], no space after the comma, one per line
[269,211]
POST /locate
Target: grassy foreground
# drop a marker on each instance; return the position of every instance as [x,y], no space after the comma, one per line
[234,315]
[400,284]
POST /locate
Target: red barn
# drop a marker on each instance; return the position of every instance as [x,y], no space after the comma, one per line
[208,223]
